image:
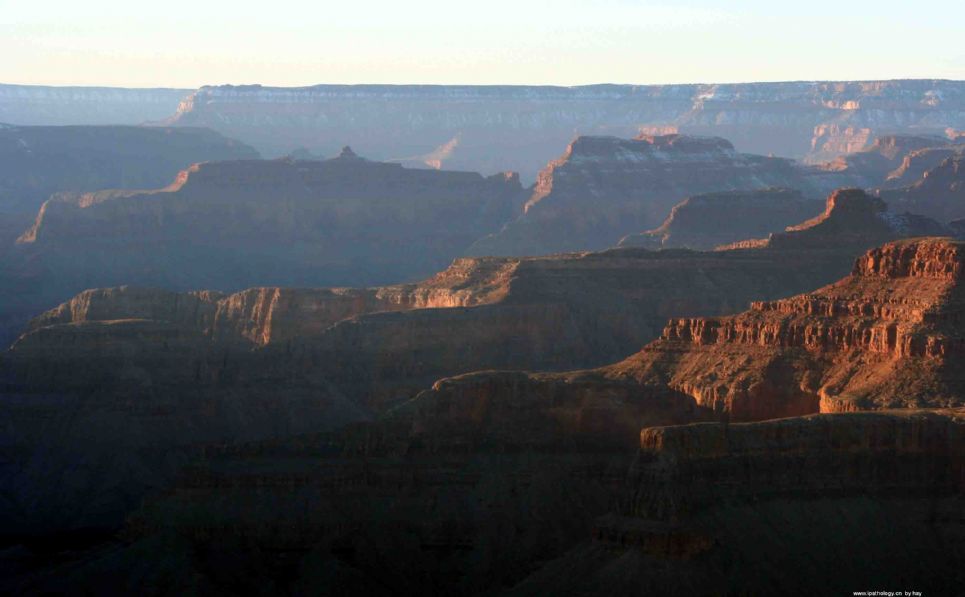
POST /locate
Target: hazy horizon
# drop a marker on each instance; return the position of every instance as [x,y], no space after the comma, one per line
[185,45]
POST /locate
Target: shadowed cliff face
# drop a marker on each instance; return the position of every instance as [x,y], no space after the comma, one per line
[781,507]
[707,221]
[604,188]
[916,163]
[939,193]
[521,127]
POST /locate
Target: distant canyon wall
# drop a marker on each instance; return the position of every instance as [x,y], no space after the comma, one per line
[496,128]
[46,105]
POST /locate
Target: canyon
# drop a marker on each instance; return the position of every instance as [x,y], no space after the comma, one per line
[152,374]
[414,374]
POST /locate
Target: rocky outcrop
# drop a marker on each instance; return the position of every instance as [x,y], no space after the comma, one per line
[939,194]
[604,188]
[835,139]
[521,127]
[853,218]
[885,336]
[46,105]
[707,221]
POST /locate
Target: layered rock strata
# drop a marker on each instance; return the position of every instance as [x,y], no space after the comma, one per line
[604,188]
[939,193]
[886,336]
[522,127]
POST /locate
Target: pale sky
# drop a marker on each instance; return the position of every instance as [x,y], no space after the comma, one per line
[189,43]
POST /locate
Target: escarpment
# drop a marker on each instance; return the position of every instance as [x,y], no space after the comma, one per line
[604,188]
[939,193]
[707,221]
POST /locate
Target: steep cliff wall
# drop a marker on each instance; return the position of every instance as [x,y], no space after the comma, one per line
[714,219]
[939,193]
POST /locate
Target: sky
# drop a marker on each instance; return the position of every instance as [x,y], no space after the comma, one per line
[189,43]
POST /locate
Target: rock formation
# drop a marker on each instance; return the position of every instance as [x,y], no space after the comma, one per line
[706,221]
[521,128]
[939,193]
[880,161]
[916,163]
[604,188]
